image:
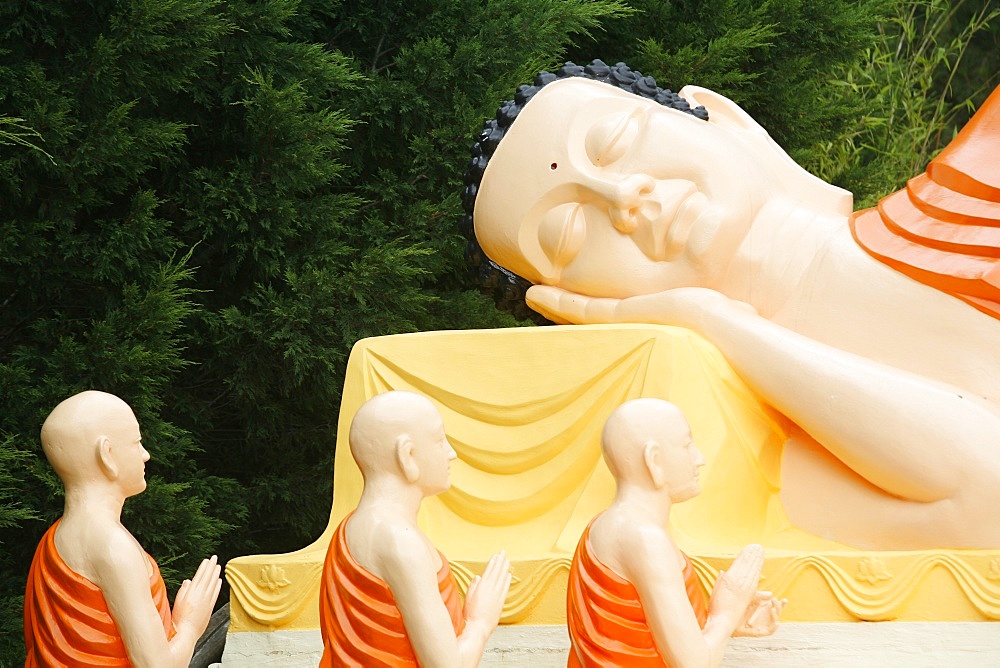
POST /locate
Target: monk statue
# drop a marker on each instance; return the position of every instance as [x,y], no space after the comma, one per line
[94,597]
[388,596]
[633,598]
[599,197]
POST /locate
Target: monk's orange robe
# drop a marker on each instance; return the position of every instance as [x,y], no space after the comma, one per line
[66,619]
[606,622]
[943,229]
[358,617]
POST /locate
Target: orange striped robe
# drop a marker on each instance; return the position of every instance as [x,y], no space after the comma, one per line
[359,620]
[943,229]
[606,622]
[66,619]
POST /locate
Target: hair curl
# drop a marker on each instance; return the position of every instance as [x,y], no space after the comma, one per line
[506,287]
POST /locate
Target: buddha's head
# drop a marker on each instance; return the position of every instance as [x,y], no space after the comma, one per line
[596,181]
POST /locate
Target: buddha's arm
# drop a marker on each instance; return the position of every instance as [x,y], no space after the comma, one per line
[914,437]
[412,577]
[124,582]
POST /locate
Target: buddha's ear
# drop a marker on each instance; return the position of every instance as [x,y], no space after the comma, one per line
[721,109]
[405,459]
[654,463]
[104,458]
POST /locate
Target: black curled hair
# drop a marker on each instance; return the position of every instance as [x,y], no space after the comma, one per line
[506,287]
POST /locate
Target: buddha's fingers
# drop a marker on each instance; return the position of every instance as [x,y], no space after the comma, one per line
[562,307]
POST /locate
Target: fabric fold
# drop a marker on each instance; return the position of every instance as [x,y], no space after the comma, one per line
[360,622]
[66,619]
[943,229]
[606,621]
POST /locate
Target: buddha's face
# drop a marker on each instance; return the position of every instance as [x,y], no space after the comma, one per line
[604,193]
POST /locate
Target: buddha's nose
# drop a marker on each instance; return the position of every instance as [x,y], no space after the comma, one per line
[624,197]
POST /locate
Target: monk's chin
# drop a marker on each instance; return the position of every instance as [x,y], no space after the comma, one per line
[688,492]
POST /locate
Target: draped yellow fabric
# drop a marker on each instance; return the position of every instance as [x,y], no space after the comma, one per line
[524,409]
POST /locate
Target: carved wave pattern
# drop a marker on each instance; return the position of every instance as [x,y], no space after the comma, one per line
[272,599]
[525,593]
[868,586]
[881,586]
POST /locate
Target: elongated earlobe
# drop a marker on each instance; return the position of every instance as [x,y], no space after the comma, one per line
[651,457]
[405,459]
[106,461]
[720,108]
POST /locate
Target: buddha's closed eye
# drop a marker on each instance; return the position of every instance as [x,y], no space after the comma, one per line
[611,137]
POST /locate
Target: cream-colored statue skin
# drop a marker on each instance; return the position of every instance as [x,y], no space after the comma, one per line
[648,447]
[93,442]
[621,210]
[398,440]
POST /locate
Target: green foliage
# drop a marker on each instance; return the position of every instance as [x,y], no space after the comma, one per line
[237,192]
[192,161]
[933,63]
[13,131]
[12,509]
[431,72]
[774,57]
[231,194]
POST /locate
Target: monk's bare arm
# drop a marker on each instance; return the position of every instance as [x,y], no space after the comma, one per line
[914,437]
[651,562]
[193,607]
[409,568]
[483,605]
[121,573]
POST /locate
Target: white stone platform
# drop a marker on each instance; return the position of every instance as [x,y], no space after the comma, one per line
[869,644]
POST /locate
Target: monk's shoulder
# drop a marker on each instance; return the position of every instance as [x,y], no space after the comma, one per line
[112,550]
[639,545]
[630,532]
[388,546]
[89,547]
[402,543]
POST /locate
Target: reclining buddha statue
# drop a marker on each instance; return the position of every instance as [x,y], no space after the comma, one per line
[875,334]
[838,369]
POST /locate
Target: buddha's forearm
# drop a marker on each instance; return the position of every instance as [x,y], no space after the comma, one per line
[912,436]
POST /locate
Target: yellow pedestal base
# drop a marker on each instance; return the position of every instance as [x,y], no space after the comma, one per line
[524,410]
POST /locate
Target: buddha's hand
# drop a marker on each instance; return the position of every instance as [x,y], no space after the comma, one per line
[684,307]
[736,588]
[486,594]
[761,618]
[196,598]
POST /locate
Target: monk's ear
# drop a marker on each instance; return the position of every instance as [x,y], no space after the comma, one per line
[405,458]
[720,108]
[104,458]
[653,460]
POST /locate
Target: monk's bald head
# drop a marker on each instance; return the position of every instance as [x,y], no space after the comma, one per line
[634,424]
[71,432]
[381,421]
